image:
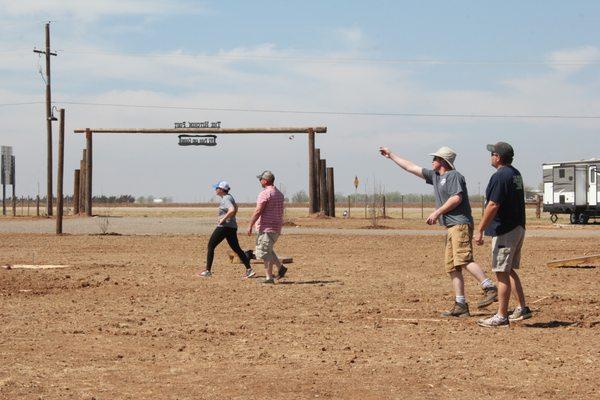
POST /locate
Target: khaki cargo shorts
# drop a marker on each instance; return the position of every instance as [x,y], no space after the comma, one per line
[264,245]
[459,247]
[506,250]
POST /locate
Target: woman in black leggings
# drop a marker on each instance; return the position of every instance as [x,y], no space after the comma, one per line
[226,229]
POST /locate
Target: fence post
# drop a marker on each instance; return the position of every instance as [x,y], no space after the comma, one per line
[402,205]
[348,206]
[422,208]
[538,207]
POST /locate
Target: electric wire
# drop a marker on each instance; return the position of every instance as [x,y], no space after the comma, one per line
[332,113]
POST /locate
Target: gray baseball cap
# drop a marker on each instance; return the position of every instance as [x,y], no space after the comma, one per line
[503,149]
[447,154]
[266,175]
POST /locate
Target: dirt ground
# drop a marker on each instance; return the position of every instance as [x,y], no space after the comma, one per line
[357,317]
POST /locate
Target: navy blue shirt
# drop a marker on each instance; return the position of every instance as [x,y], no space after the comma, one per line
[506,189]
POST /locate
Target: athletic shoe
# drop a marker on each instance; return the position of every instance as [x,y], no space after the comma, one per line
[490,295]
[269,280]
[282,271]
[494,321]
[205,274]
[249,273]
[459,310]
[519,314]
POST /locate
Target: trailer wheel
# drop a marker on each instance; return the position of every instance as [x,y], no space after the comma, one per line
[553,218]
[574,218]
[583,219]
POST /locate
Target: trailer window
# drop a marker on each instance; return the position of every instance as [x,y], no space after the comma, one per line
[593,175]
[561,173]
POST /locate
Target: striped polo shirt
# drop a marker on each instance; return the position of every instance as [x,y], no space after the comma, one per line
[271,218]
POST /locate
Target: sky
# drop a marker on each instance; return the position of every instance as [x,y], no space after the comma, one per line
[411,76]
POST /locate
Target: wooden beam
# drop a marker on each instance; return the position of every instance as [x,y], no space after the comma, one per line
[574,262]
[60,173]
[218,131]
[88,174]
[330,192]
[312,202]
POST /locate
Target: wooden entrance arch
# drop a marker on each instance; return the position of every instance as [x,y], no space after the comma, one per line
[312,178]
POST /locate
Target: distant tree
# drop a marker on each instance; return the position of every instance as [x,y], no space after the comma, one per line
[300,197]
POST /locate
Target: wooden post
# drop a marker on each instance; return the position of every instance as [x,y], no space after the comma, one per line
[402,206]
[14,190]
[60,171]
[331,192]
[348,206]
[88,173]
[312,182]
[538,207]
[422,208]
[48,126]
[323,185]
[384,214]
[14,201]
[3,199]
[28,201]
[317,162]
[76,178]
[482,205]
[37,205]
[82,186]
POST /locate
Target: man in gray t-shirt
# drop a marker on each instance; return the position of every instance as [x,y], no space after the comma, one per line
[445,186]
[452,210]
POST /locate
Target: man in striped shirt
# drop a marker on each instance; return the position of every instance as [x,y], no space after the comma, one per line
[268,218]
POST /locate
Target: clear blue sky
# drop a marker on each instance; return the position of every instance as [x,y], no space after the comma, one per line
[509,58]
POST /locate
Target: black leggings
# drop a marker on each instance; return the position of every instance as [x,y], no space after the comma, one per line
[220,233]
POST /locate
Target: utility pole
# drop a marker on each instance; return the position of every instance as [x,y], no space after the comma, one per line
[49,119]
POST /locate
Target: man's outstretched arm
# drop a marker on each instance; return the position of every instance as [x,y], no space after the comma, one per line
[407,165]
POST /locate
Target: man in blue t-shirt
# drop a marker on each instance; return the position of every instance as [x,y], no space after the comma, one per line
[452,210]
[504,220]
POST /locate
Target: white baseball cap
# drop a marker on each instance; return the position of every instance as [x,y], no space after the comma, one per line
[221,185]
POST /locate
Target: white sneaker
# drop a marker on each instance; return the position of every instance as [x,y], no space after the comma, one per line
[249,273]
[494,321]
[205,274]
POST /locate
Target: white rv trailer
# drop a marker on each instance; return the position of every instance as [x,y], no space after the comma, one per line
[572,188]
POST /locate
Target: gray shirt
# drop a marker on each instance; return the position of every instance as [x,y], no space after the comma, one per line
[227,201]
[446,186]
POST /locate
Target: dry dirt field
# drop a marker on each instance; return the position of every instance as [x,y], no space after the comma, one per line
[357,317]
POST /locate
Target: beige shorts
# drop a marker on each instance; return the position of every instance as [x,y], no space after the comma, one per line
[506,250]
[264,245]
[459,247]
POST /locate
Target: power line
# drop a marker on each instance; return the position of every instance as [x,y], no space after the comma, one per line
[315,112]
[330,60]
[340,113]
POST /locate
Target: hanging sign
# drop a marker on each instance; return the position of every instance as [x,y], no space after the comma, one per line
[197,140]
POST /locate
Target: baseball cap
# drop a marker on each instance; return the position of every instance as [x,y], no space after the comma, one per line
[503,149]
[221,185]
[447,154]
[266,175]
